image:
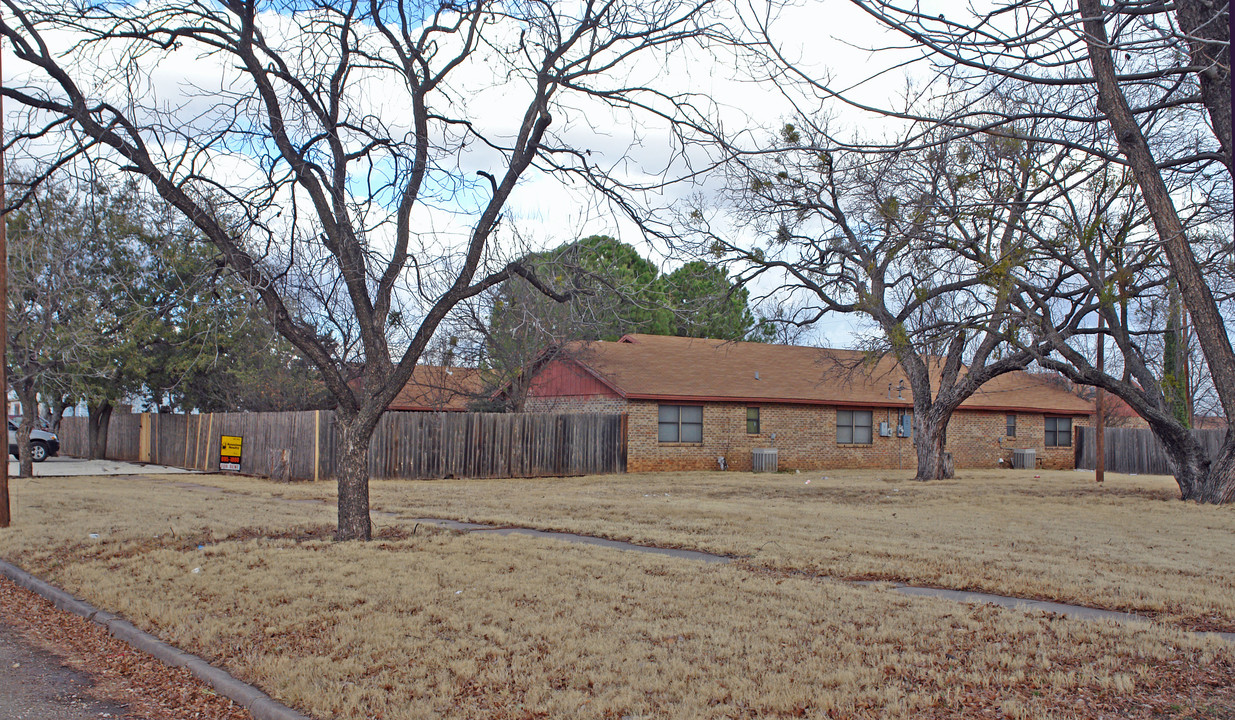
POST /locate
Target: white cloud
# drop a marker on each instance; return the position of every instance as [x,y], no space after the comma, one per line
[205,90]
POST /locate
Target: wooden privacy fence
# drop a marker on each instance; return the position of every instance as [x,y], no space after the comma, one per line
[1135,450]
[123,437]
[303,445]
[425,445]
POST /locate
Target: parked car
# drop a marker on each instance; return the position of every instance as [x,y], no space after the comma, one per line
[43,444]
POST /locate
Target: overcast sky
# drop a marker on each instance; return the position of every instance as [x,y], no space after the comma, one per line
[826,37]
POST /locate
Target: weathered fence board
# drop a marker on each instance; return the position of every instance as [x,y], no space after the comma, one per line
[303,445]
[1135,450]
[123,437]
[74,436]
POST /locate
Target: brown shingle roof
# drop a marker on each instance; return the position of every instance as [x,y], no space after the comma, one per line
[663,367]
[436,388]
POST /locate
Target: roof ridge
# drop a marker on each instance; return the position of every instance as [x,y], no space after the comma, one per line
[650,366]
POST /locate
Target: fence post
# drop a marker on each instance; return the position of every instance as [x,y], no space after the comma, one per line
[143,440]
[317,443]
[209,435]
[197,445]
[625,439]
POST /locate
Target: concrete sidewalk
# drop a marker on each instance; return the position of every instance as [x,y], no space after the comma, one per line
[65,466]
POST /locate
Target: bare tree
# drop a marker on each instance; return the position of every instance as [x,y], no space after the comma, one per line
[48,267]
[923,243]
[1203,23]
[351,161]
[1103,260]
[1160,73]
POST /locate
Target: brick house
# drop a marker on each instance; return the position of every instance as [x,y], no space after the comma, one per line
[689,402]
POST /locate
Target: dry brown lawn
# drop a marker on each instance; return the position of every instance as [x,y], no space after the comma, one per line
[1127,545]
[440,624]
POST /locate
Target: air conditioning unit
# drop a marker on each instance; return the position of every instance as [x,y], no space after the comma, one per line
[763,460]
[884,430]
[1023,458]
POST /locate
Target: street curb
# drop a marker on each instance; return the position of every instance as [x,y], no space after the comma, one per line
[260,705]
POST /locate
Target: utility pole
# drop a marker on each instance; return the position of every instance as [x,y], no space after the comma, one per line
[1100,401]
[1186,349]
[1100,406]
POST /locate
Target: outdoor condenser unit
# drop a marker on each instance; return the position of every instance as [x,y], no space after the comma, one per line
[1023,458]
[763,460]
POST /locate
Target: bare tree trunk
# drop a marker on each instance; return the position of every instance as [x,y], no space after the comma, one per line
[29,416]
[99,423]
[1220,484]
[1208,324]
[1206,23]
[930,440]
[58,406]
[1189,462]
[1199,478]
[352,471]
[516,398]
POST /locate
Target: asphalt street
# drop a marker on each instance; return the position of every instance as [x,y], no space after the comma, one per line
[36,685]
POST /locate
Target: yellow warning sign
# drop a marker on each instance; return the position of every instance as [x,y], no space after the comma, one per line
[229,452]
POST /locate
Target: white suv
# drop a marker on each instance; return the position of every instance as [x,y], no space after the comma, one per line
[43,444]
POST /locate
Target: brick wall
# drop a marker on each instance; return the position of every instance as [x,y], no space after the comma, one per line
[805,438]
[979,439]
[1054,458]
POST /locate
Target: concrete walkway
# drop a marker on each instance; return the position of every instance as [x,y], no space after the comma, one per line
[568,537]
[1079,612]
[62,466]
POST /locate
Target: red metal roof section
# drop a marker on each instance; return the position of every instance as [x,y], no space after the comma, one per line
[563,378]
[657,367]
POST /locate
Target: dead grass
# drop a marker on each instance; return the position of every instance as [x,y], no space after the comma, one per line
[475,626]
[1128,545]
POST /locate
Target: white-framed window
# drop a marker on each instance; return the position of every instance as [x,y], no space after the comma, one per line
[1011,426]
[680,423]
[853,427]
